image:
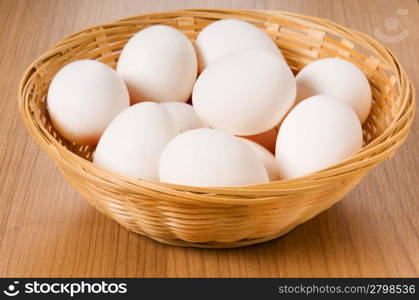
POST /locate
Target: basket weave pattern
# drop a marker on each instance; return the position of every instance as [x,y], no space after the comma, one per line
[223,217]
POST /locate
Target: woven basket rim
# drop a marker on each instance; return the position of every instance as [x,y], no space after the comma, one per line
[382,141]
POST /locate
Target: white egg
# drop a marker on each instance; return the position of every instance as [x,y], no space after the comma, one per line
[338,78]
[319,132]
[185,115]
[244,93]
[267,158]
[158,64]
[230,35]
[133,142]
[210,158]
[83,98]
[266,139]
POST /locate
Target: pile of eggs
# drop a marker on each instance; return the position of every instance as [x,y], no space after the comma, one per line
[251,120]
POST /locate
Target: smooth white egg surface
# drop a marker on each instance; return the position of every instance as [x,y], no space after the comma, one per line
[244,93]
[210,158]
[319,132]
[338,78]
[267,158]
[185,115]
[266,139]
[83,98]
[133,142]
[158,64]
[230,35]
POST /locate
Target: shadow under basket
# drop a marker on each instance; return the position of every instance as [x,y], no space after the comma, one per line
[223,217]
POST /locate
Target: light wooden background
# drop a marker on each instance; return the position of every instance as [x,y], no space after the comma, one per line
[47,229]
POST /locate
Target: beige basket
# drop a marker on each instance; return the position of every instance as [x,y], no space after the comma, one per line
[223,217]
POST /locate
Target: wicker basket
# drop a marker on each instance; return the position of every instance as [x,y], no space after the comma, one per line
[223,217]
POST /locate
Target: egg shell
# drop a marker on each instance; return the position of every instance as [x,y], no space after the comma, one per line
[244,93]
[133,142]
[266,139]
[267,158]
[338,78]
[319,132]
[185,116]
[210,158]
[83,98]
[230,35]
[158,64]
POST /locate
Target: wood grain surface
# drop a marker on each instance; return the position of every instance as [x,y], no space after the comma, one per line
[47,229]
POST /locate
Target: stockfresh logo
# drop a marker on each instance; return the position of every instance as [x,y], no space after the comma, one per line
[12,290]
[65,288]
[394,33]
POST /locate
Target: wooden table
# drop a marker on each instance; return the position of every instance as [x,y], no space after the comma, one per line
[47,229]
